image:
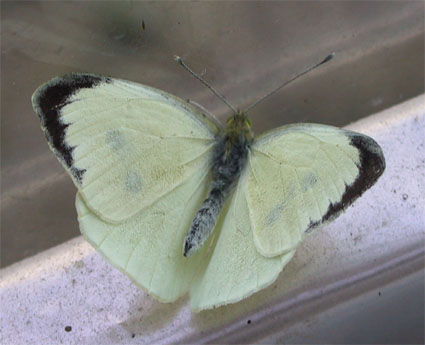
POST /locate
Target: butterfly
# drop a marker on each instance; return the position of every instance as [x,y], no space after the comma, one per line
[182,204]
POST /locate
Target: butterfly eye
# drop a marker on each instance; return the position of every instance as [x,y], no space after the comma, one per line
[229,120]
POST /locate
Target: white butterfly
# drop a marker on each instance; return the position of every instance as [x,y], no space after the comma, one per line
[156,177]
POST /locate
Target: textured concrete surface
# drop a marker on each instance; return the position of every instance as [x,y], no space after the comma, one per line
[359,279]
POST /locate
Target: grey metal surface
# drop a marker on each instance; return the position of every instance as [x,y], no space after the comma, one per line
[244,49]
[358,280]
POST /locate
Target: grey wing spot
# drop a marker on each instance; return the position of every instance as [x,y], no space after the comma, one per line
[308,181]
[275,213]
[115,139]
[133,182]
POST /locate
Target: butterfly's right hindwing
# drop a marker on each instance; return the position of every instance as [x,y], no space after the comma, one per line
[148,246]
[124,144]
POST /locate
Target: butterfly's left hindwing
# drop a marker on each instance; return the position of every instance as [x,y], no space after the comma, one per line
[124,144]
[300,176]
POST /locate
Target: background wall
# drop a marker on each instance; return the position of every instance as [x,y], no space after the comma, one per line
[243,48]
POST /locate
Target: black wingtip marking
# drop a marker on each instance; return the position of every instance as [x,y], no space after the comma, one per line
[371,167]
[48,101]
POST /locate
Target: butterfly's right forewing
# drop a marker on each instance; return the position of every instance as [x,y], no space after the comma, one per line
[124,144]
[141,161]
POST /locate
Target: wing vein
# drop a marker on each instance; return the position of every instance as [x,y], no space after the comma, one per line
[79,100]
[104,239]
[317,204]
[209,147]
[132,253]
[302,196]
[253,173]
[336,169]
[279,161]
[251,167]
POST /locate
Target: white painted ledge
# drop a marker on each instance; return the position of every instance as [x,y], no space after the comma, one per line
[352,271]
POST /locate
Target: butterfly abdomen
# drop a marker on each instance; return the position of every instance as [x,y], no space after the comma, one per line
[204,221]
[230,158]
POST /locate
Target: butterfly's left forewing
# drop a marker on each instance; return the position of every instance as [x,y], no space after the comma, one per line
[300,176]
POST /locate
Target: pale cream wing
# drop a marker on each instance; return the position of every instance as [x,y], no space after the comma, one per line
[300,176]
[234,268]
[149,246]
[124,144]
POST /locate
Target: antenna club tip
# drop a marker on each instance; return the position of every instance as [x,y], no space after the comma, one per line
[329,57]
[177,58]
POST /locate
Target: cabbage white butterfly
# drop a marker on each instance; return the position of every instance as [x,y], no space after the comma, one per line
[181,204]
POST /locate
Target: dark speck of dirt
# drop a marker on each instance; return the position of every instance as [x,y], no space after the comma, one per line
[248,322]
[404,196]
[68,329]
[133,335]
[379,293]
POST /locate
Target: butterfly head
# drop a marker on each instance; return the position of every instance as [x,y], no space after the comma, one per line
[239,126]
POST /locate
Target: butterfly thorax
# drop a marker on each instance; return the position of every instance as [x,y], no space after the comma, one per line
[238,128]
[230,157]
[231,150]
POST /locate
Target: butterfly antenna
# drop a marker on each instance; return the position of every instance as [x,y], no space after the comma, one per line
[329,57]
[197,76]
